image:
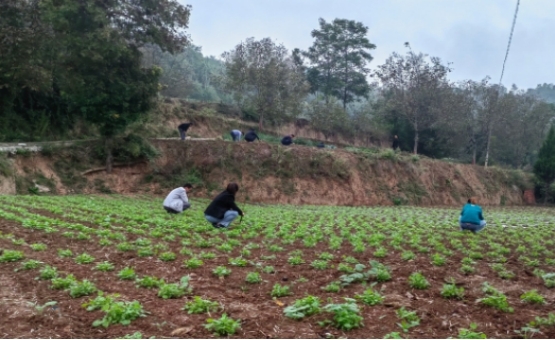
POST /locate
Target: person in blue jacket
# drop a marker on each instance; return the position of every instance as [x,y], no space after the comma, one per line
[471,217]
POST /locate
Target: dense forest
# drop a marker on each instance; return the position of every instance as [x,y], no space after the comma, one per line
[102,64]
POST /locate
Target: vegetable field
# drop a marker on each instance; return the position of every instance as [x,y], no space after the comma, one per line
[108,267]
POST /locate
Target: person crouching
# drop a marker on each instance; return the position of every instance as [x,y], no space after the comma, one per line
[223,210]
[177,201]
[471,217]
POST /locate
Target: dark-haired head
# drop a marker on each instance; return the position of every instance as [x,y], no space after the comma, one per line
[188,185]
[232,188]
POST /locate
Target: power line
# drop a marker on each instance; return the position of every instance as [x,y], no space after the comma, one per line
[510,39]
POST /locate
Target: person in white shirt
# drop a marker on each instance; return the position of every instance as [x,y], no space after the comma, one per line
[177,201]
[236,135]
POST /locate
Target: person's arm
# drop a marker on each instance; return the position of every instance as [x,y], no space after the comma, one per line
[235,207]
[480,215]
[183,196]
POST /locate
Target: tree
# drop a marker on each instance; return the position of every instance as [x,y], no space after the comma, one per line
[416,88]
[338,60]
[265,79]
[544,168]
[100,57]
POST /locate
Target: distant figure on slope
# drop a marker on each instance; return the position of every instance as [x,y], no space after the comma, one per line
[183,129]
[395,145]
[287,140]
[236,135]
[223,210]
[471,216]
[321,145]
[177,201]
[251,136]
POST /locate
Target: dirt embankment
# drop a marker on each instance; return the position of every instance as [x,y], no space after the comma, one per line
[270,173]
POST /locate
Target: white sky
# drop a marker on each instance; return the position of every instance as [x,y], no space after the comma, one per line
[471,34]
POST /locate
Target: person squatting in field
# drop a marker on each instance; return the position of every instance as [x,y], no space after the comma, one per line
[177,201]
[251,136]
[471,216]
[223,210]
[236,135]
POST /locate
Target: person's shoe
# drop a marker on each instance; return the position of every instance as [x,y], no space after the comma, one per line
[220,226]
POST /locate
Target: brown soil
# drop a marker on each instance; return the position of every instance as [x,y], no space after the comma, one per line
[262,317]
[270,173]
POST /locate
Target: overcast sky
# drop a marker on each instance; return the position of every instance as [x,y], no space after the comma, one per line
[471,34]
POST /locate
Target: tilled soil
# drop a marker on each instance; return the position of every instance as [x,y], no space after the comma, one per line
[260,315]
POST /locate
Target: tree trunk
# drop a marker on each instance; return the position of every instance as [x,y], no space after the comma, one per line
[415,149]
[487,147]
[545,193]
[109,157]
[260,122]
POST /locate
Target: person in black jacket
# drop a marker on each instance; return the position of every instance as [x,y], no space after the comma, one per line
[251,136]
[183,129]
[287,140]
[223,210]
[395,144]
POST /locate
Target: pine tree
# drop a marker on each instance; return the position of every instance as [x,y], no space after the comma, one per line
[544,169]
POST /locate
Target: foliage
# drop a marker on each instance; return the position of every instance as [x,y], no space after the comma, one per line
[264,80]
[81,60]
[11,256]
[83,288]
[451,291]
[346,316]
[280,291]
[221,271]
[149,282]
[338,60]
[30,264]
[332,287]
[302,308]
[48,273]
[223,326]
[495,299]
[63,283]
[127,274]
[38,246]
[544,168]
[199,305]
[409,319]
[104,266]
[84,259]
[532,296]
[193,263]
[370,297]
[471,333]
[116,312]
[253,277]
[175,290]
[415,87]
[418,281]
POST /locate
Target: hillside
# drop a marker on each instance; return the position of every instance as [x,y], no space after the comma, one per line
[216,120]
[268,173]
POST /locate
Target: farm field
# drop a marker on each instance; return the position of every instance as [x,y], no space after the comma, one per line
[114,266]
